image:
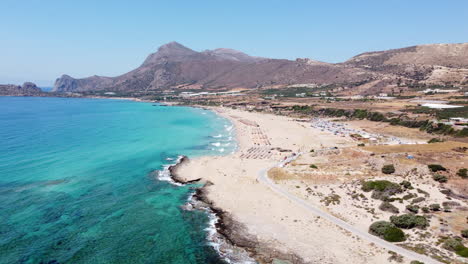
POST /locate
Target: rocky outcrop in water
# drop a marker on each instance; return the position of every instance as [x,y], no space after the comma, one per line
[27,89]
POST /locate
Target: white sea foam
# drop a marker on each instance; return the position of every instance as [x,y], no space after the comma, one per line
[165,174]
[216,144]
[224,249]
[218,136]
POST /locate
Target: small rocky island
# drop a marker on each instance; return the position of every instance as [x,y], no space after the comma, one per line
[27,89]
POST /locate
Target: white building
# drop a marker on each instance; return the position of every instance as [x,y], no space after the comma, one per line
[439,91]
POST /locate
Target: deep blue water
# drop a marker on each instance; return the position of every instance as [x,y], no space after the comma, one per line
[76,181]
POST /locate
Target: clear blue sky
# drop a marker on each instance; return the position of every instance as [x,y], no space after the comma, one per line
[42,39]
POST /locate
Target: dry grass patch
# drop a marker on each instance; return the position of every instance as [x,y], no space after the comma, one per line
[435,147]
[279,174]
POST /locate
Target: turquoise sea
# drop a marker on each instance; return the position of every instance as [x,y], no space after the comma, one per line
[78,181]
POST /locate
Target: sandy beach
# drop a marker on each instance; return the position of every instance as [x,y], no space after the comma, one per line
[261,220]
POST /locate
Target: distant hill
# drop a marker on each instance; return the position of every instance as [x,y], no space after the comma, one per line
[178,67]
[448,55]
[175,65]
[27,89]
[431,64]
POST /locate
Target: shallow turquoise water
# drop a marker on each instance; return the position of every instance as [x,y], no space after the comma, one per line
[76,181]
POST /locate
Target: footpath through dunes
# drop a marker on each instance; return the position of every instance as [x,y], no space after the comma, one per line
[268,223]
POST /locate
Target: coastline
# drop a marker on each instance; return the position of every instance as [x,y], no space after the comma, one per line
[232,241]
[256,219]
[229,180]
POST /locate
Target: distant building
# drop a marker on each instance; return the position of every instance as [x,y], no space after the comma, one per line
[427,91]
[300,94]
[459,121]
[383,94]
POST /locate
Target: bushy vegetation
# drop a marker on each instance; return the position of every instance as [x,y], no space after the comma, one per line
[439,178]
[456,245]
[434,207]
[406,184]
[408,221]
[409,196]
[416,262]
[463,173]
[464,233]
[435,140]
[418,200]
[440,113]
[412,208]
[436,167]
[303,109]
[381,186]
[387,231]
[388,207]
[313,166]
[388,169]
[423,125]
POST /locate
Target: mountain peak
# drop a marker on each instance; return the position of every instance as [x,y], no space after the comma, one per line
[172,50]
[173,46]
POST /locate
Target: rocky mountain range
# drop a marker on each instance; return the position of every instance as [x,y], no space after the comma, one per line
[27,89]
[178,67]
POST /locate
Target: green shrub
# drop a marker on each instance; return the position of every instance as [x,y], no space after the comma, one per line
[434,207]
[409,221]
[409,196]
[406,184]
[418,200]
[360,114]
[382,190]
[382,186]
[464,233]
[416,262]
[436,167]
[387,231]
[439,178]
[423,192]
[456,245]
[435,140]
[388,207]
[312,150]
[413,208]
[361,145]
[463,173]
[462,133]
[313,166]
[388,169]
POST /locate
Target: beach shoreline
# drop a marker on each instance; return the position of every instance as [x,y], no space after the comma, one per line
[236,223]
[268,225]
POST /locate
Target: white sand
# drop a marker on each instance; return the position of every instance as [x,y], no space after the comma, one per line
[270,217]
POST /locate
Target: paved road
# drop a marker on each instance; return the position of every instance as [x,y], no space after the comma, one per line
[263,177]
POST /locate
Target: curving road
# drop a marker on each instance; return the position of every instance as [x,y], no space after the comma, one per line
[263,177]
